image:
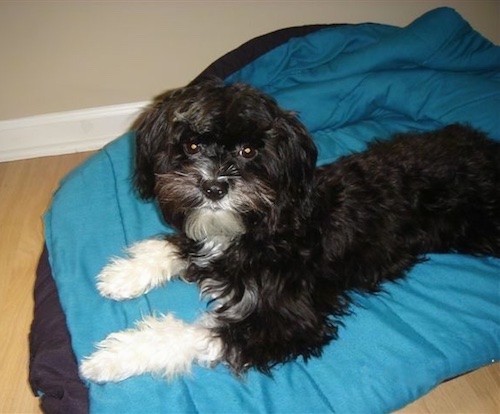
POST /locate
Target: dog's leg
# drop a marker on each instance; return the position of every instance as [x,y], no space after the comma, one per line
[149,264]
[166,347]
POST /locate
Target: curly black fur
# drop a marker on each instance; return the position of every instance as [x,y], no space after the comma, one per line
[299,238]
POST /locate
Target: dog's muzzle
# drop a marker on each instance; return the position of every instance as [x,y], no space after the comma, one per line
[214,190]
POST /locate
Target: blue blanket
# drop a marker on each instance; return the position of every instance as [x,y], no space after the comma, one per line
[349,85]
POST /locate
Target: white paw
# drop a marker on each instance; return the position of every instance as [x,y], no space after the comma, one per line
[124,279]
[108,364]
[149,264]
[165,346]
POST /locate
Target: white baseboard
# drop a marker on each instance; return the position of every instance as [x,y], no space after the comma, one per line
[65,132]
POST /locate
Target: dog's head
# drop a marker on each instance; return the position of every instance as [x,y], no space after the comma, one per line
[223,160]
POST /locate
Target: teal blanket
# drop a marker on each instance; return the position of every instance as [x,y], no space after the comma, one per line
[349,85]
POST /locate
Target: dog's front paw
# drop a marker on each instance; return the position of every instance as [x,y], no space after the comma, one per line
[112,362]
[124,279]
[149,264]
[103,367]
[165,346]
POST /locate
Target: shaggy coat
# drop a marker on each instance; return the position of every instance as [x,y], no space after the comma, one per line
[277,243]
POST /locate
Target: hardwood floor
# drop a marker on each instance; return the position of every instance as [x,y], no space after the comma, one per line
[25,191]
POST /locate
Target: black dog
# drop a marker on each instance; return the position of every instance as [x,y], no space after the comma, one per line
[276,242]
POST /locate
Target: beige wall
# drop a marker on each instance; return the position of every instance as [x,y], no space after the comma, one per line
[65,55]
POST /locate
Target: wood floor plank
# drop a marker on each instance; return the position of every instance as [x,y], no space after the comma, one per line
[25,191]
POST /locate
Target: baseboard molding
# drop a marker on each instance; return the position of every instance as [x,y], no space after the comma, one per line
[65,132]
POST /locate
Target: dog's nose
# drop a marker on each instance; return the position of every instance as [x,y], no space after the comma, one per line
[215,190]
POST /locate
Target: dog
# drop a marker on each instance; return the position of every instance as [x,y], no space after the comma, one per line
[274,242]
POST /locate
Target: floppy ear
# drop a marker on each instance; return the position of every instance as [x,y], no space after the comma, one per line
[150,130]
[298,148]
[295,162]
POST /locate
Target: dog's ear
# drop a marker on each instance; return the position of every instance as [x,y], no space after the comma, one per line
[295,154]
[298,149]
[150,136]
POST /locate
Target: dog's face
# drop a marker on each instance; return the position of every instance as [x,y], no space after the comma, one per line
[223,160]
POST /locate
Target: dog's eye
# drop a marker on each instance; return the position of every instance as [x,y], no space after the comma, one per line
[192,148]
[247,152]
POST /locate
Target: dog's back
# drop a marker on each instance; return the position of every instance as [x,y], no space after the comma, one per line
[416,193]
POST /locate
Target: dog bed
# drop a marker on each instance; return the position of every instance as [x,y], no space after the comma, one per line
[349,84]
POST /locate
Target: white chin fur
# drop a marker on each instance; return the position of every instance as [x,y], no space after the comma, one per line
[207,223]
